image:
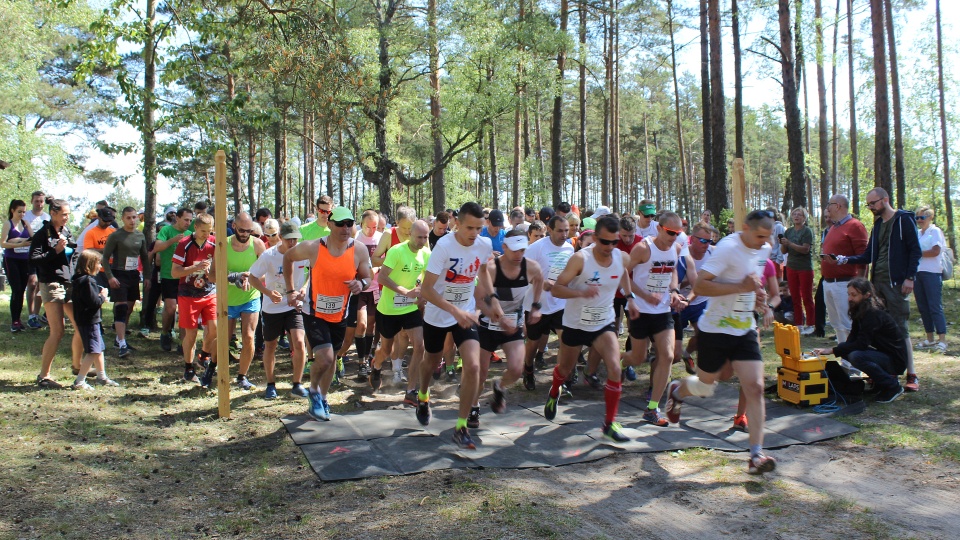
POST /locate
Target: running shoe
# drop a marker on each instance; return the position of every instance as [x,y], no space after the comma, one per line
[270,392]
[43,320]
[106,381]
[889,395]
[208,374]
[437,372]
[593,381]
[740,423]
[123,351]
[423,412]
[48,384]
[201,361]
[82,386]
[190,376]
[299,391]
[630,373]
[243,383]
[473,421]
[654,417]
[376,379]
[529,380]
[34,322]
[495,358]
[318,408]
[283,343]
[341,372]
[499,403]
[17,326]
[540,362]
[463,439]
[573,378]
[760,464]
[614,432]
[451,375]
[363,371]
[673,404]
[399,377]
[144,332]
[410,398]
[550,409]
[581,360]
[913,383]
[689,364]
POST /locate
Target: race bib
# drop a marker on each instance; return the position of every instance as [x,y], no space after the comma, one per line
[328,304]
[745,305]
[22,249]
[131,263]
[510,318]
[401,301]
[593,315]
[658,283]
[458,294]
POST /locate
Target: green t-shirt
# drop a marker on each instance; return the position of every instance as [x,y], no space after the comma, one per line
[166,256]
[406,270]
[313,231]
[796,260]
[240,261]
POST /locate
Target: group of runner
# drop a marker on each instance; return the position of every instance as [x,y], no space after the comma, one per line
[465,285]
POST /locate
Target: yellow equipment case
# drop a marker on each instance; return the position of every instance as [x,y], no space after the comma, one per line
[786,338]
[807,388]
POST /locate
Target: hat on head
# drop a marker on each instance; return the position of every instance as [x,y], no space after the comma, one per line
[496,218]
[141,211]
[600,212]
[296,220]
[516,243]
[546,213]
[289,230]
[107,215]
[589,223]
[341,213]
[170,210]
[648,210]
[271,226]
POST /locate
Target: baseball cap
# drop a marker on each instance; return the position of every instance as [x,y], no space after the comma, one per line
[589,223]
[289,229]
[600,212]
[170,210]
[648,210]
[341,213]
[546,213]
[107,215]
[271,226]
[496,218]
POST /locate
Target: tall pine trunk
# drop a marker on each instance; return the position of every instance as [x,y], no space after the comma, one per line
[717,187]
[854,155]
[149,129]
[438,190]
[797,185]
[822,100]
[835,140]
[947,195]
[704,97]
[583,102]
[899,166]
[882,121]
[556,158]
[737,82]
[676,95]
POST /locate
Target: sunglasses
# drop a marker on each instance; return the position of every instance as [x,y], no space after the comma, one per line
[608,242]
[245,231]
[272,235]
[921,218]
[343,223]
[671,232]
[324,212]
[649,216]
[702,240]
[757,214]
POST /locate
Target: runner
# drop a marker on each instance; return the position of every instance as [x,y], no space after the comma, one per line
[458,258]
[123,252]
[551,255]
[501,325]
[654,265]
[400,233]
[337,271]
[728,339]
[363,306]
[319,228]
[266,276]
[700,249]
[400,275]
[243,301]
[589,282]
[193,265]
[166,245]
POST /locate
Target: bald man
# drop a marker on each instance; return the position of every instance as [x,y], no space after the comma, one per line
[243,301]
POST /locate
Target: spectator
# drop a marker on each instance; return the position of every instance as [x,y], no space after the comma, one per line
[847,236]
[16,254]
[797,244]
[929,286]
[87,297]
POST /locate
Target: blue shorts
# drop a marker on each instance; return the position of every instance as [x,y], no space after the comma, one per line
[253,306]
[690,314]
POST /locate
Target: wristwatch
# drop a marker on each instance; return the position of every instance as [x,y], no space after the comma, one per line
[536,305]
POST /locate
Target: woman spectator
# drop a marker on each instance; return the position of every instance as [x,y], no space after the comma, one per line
[928,288]
[52,251]
[797,244]
[15,241]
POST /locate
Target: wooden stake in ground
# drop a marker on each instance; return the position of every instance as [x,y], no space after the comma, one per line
[220,260]
[739,192]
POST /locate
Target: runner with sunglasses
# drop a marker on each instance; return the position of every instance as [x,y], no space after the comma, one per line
[728,337]
[243,301]
[319,228]
[338,270]
[654,265]
[588,283]
[699,250]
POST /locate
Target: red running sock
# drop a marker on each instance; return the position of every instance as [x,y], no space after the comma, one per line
[558,380]
[611,397]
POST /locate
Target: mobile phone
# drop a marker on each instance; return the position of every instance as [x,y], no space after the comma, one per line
[780,236]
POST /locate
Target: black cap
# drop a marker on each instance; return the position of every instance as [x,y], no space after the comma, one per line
[564,207]
[546,213]
[107,215]
[496,218]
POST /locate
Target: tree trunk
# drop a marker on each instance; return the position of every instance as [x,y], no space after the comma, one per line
[717,187]
[148,129]
[822,121]
[897,121]
[676,92]
[339,168]
[737,82]
[947,195]
[882,157]
[608,83]
[854,156]
[538,139]
[556,158]
[797,184]
[833,93]
[583,102]
[251,169]
[494,180]
[704,96]
[278,163]
[438,190]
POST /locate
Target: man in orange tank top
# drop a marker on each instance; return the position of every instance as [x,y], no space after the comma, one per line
[337,271]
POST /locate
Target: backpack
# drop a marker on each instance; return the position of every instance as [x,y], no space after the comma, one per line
[946,262]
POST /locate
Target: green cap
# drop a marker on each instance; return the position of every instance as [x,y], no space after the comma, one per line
[340,213]
[588,223]
[648,210]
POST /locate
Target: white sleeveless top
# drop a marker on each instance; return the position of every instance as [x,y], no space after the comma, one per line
[654,276]
[371,242]
[592,314]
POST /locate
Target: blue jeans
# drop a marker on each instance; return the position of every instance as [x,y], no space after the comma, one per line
[877,365]
[928,289]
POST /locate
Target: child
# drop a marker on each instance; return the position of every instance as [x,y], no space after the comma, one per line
[87,297]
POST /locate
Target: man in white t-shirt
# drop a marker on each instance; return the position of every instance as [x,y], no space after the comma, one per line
[728,337]
[646,224]
[266,276]
[448,287]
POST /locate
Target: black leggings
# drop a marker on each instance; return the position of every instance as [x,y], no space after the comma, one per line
[17,275]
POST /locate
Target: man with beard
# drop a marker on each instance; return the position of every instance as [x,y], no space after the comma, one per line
[243,301]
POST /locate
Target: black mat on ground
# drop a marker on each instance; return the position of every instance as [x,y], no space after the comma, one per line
[392,442]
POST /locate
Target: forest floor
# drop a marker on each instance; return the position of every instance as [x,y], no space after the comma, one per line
[151,459]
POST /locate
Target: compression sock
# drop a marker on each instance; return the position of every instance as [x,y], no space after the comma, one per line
[461,423]
[652,405]
[558,381]
[611,398]
[424,396]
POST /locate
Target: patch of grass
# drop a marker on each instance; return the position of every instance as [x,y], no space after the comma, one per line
[871,526]
[836,505]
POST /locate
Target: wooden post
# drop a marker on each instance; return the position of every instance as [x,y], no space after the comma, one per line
[220,261]
[739,193]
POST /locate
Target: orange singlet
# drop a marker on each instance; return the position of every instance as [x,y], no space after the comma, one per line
[330,293]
